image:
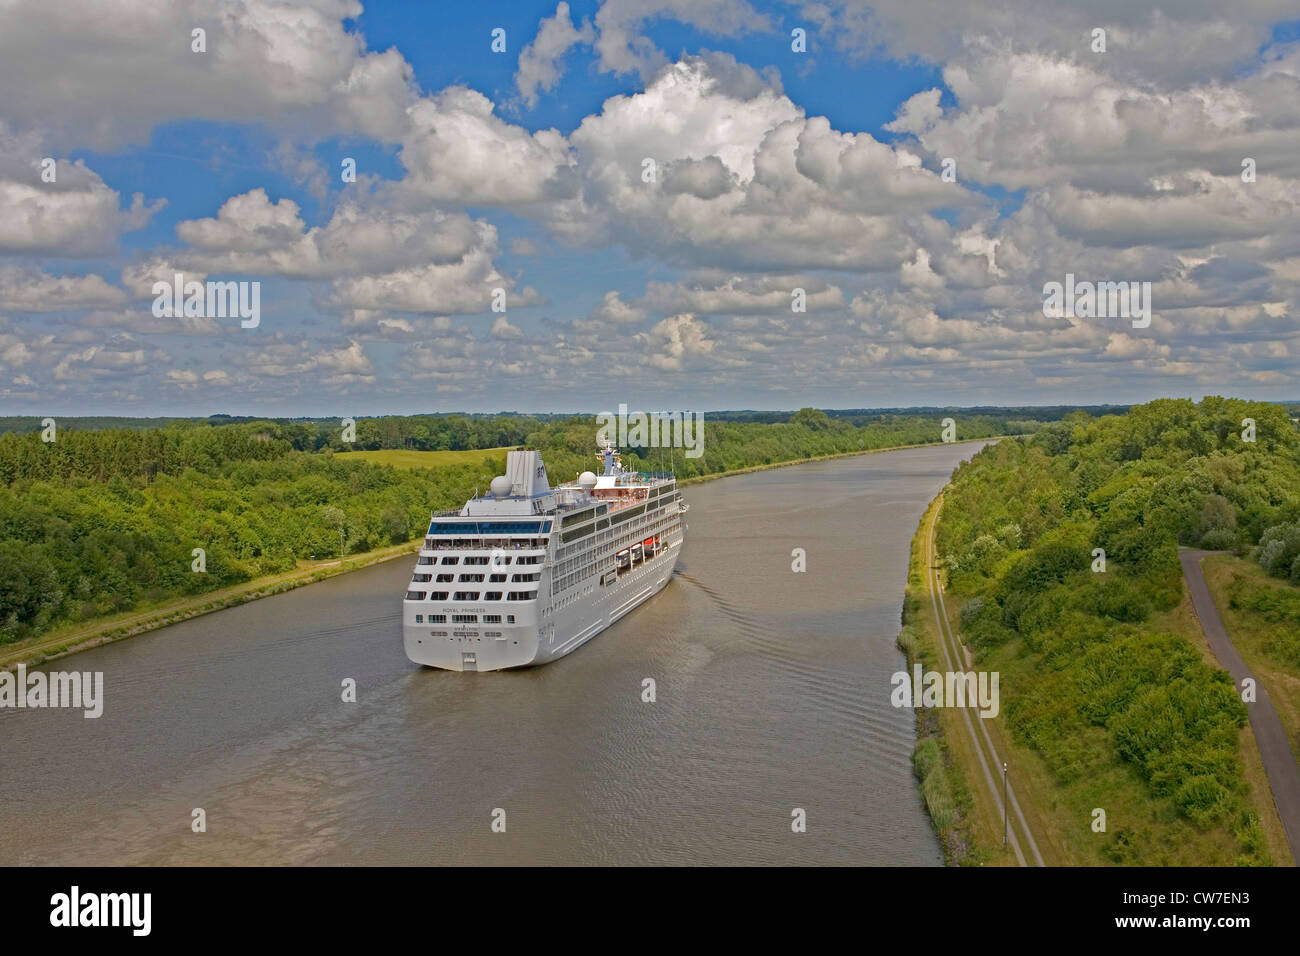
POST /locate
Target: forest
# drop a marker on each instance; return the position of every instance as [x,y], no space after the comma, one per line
[1062,549]
[100,521]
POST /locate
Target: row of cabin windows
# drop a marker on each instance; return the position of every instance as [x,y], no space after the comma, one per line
[479,560]
[475,578]
[470,596]
[465,619]
[433,543]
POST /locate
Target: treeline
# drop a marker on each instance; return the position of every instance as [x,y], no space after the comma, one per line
[414,432]
[1037,414]
[569,447]
[1064,549]
[100,522]
[143,453]
[452,432]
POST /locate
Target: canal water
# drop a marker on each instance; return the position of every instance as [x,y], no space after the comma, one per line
[771,693]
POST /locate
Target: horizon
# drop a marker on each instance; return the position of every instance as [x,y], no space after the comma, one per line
[868,409]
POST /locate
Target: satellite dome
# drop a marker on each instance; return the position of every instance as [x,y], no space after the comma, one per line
[587,481]
[500,486]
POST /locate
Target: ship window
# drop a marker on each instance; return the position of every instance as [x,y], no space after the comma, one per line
[424,559]
[510,619]
[464,619]
[486,527]
[451,560]
[415,595]
[472,578]
[526,577]
[419,619]
[492,596]
[491,618]
[437,619]
[521,595]
[438,596]
[496,578]
[422,578]
[479,559]
[466,596]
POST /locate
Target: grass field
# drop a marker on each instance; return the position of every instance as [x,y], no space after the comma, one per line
[405,458]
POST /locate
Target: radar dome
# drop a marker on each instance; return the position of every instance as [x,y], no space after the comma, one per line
[587,481]
[500,486]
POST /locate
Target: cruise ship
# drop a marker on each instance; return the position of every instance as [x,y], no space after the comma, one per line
[530,572]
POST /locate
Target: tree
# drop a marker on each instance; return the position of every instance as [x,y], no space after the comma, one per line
[333,517]
[813,418]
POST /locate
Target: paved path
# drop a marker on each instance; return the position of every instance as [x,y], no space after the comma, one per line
[1279,763]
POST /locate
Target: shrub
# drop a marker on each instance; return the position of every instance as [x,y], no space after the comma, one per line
[1219,539]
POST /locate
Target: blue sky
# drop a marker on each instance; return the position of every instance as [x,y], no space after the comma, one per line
[523,171]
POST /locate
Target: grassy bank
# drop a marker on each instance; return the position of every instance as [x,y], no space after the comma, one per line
[965,825]
[73,638]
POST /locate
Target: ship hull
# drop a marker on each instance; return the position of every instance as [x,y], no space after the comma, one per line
[543,635]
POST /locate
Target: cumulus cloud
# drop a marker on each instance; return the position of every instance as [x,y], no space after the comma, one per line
[77,214]
[287,62]
[712,164]
[622,48]
[539,61]
[457,150]
[30,290]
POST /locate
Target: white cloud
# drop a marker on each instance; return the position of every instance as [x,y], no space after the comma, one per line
[76,215]
[457,150]
[286,62]
[29,290]
[539,61]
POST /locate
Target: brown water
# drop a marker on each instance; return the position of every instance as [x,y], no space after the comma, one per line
[772,693]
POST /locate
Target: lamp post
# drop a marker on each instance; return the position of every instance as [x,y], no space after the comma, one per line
[1005,809]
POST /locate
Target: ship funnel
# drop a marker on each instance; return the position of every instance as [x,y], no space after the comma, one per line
[526,473]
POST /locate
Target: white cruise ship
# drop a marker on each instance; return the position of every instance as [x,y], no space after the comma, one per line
[531,572]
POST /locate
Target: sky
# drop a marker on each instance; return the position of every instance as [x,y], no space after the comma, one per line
[628,202]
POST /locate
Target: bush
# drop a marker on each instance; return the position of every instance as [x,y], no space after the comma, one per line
[1203,800]
[1279,547]
[1219,539]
